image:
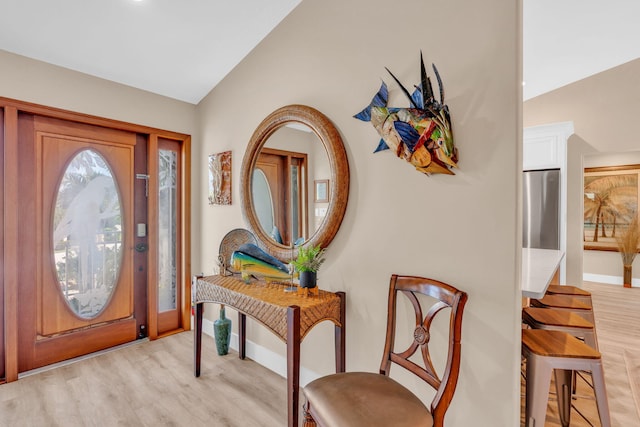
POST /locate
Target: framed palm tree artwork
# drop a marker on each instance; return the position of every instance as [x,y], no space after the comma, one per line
[610,205]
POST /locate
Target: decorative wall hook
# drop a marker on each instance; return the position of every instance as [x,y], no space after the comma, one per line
[420,134]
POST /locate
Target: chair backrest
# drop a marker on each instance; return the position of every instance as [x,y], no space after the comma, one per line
[446,296]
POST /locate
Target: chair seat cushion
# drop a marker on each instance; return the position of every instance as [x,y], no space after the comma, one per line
[363,399]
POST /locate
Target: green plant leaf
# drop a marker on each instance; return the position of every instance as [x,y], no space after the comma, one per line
[309,258]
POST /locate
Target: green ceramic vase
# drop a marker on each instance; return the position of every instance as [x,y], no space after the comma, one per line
[222,332]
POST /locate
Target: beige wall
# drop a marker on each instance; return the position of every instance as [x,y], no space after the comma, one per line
[604,110]
[577,148]
[34,81]
[331,54]
[463,229]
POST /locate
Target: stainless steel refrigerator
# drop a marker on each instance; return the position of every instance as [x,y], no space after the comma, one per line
[541,209]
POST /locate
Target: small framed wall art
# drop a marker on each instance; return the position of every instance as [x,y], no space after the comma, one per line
[321,190]
[220,178]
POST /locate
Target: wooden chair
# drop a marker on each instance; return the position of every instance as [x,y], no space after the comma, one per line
[359,399]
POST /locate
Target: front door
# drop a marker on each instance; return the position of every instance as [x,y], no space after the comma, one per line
[76,292]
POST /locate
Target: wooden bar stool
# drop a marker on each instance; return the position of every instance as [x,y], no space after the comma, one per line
[559,352]
[567,303]
[560,320]
[572,291]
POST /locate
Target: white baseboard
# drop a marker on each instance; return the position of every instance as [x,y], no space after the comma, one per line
[610,280]
[263,356]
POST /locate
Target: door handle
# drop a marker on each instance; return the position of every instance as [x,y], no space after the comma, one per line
[141,247]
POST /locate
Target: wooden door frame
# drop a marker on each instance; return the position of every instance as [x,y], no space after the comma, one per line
[1,249]
[11,178]
[185,231]
[11,262]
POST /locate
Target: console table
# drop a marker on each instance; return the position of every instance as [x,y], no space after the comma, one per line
[288,315]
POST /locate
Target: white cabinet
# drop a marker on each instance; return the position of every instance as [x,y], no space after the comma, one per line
[545,147]
[541,152]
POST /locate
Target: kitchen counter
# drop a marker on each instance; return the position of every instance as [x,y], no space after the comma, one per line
[538,268]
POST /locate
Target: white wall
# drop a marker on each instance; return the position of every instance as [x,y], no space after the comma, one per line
[462,229]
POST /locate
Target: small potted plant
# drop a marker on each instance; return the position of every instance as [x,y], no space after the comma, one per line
[307,265]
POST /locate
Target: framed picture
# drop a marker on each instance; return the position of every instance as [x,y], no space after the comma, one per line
[220,178]
[321,190]
[610,203]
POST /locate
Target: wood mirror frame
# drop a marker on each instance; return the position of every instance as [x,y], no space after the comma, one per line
[338,184]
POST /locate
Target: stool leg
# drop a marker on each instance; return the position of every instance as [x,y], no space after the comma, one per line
[590,338]
[537,390]
[597,373]
[564,392]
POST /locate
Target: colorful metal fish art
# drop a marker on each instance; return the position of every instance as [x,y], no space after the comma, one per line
[420,134]
[253,261]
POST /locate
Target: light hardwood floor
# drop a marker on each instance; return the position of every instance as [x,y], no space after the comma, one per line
[617,312]
[152,383]
[149,384]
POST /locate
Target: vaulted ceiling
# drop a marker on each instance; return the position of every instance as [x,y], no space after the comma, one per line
[182,49]
[569,40]
[177,48]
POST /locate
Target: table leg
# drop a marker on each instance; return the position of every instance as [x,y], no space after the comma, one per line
[293,364]
[197,338]
[340,335]
[242,335]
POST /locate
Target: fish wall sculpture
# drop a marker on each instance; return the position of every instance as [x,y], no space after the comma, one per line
[420,134]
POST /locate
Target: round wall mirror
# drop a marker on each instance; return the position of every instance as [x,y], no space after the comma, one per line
[295,181]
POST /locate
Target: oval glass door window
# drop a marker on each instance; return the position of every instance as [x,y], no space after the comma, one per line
[87,234]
